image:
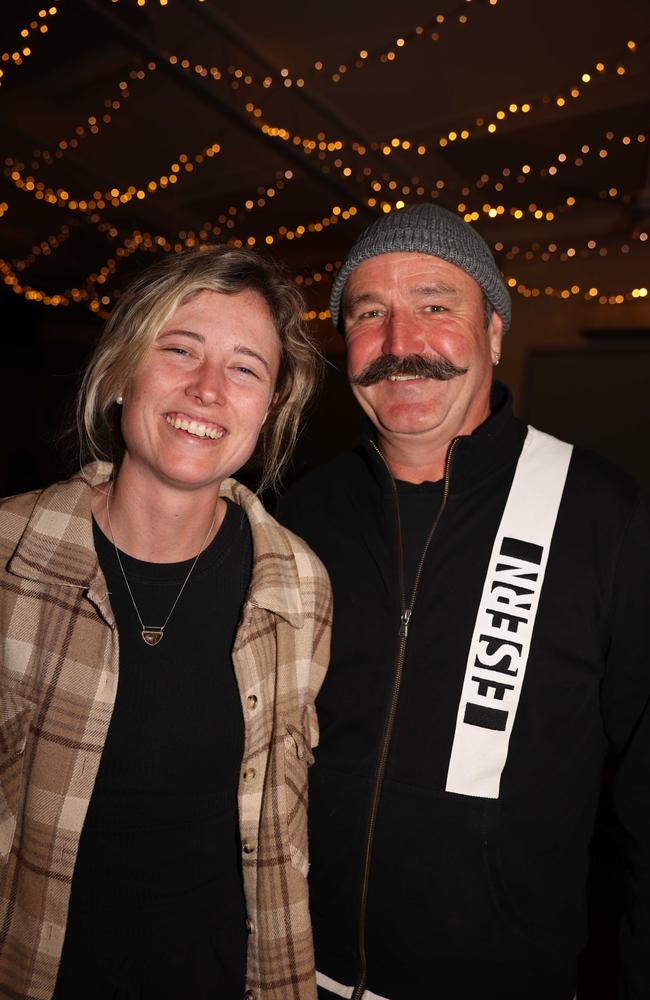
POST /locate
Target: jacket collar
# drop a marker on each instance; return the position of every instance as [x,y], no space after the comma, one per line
[275,583]
[57,544]
[491,447]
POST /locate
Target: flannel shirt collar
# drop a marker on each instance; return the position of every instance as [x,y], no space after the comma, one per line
[275,584]
[57,544]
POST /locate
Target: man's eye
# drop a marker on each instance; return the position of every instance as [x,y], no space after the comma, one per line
[370,314]
[434,308]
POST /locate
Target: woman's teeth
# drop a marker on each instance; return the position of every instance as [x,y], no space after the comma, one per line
[196,427]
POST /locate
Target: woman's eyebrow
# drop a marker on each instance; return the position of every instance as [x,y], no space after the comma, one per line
[249,352]
[183,333]
[237,348]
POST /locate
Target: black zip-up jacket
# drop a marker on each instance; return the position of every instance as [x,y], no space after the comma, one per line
[466,896]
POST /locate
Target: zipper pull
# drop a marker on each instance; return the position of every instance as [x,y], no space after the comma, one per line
[404,623]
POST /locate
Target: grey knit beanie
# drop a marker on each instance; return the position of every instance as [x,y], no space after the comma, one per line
[436,231]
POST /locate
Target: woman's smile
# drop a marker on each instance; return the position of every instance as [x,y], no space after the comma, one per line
[196,427]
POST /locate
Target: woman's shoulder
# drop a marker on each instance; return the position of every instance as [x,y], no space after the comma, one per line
[55,514]
[302,551]
[15,514]
[274,538]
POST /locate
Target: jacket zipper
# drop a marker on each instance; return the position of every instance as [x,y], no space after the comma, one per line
[405,617]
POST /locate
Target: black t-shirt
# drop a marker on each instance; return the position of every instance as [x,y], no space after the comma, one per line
[157,906]
[418,506]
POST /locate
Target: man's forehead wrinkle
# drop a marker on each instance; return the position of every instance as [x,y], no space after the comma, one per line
[435,288]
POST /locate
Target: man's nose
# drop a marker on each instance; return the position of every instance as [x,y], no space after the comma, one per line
[402,335]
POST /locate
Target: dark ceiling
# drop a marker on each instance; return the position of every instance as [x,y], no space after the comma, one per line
[133,128]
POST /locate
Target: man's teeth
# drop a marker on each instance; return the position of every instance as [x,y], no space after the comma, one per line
[403,378]
[195,427]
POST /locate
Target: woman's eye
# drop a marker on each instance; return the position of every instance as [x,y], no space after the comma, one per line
[177,350]
[246,371]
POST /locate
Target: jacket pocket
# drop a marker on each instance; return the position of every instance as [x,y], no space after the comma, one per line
[15,718]
[298,758]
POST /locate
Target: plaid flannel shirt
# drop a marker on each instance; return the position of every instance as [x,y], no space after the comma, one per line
[58,680]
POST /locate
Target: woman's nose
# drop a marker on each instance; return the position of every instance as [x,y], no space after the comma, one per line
[207,384]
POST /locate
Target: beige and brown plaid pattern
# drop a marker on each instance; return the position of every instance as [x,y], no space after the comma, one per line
[58,679]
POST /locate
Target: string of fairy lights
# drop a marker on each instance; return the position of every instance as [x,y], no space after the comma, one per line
[336,71]
[384,193]
[389,53]
[114,196]
[93,124]
[27,35]
[137,240]
[326,147]
[14,170]
[535,251]
[145,241]
[308,145]
[487,123]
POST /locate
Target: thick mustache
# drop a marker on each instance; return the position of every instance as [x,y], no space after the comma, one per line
[409,364]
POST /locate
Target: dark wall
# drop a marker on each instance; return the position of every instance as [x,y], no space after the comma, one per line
[44,354]
[598,398]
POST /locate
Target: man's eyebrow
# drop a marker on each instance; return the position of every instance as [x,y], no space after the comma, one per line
[438,288]
[351,302]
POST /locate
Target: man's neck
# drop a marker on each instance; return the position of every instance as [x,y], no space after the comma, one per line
[413,464]
[415,458]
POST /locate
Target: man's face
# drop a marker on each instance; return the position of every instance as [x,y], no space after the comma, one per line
[412,304]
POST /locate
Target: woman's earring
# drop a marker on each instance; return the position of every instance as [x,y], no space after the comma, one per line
[119,400]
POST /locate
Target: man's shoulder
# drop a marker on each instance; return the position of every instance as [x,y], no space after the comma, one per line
[317,501]
[600,476]
[329,479]
[600,486]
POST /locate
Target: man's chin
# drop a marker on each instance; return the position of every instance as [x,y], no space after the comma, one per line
[408,421]
[404,408]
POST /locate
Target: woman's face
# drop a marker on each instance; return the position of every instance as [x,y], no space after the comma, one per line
[195,405]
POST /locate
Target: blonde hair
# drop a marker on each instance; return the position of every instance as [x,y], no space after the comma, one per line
[145,307]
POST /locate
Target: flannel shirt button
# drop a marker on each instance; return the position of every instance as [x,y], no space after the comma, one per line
[248,846]
[250,926]
[249,774]
[251,702]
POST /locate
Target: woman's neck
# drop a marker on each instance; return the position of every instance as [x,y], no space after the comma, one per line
[163,527]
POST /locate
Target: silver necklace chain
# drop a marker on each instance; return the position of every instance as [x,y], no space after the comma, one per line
[152,634]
